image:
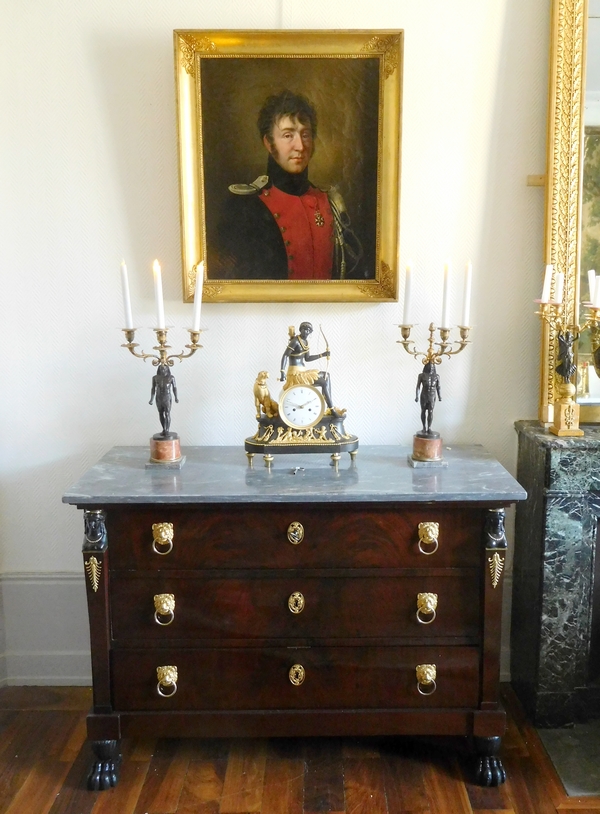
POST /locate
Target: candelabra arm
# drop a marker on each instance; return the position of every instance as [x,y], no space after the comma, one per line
[192,347]
[551,314]
[406,341]
[430,355]
[131,346]
[445,347]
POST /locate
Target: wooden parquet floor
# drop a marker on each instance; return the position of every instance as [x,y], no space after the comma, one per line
[44,759]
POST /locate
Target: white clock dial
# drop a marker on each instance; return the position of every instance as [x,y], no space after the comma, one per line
[301,406]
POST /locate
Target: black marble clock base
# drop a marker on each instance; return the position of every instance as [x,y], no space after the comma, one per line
[275,437]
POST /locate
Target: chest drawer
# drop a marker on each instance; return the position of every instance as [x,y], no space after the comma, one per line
[295,607]
[333,678]
[293,536]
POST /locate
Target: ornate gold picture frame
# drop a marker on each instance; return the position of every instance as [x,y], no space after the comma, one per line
[563,179]
[234,215]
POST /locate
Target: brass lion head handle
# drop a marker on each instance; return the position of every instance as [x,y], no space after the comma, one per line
[426,608]
[167,680]
[426,675]
[164,609]
[162,538]
[429,537]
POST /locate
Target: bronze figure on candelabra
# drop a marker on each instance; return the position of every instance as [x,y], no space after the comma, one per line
[428,388]
[164,387]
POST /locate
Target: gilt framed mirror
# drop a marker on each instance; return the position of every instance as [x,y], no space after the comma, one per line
[572,240]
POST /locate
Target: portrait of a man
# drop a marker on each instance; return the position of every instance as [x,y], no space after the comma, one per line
[294,195]
[282,226]
[289,158]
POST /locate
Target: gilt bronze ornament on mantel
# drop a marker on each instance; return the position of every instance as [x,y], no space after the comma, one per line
[553,311]
[304,418]
[427,444]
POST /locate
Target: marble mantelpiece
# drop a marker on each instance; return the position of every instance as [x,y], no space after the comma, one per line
[222,474]
[553,615]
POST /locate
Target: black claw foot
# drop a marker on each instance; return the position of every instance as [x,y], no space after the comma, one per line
[489,771]
[105,769]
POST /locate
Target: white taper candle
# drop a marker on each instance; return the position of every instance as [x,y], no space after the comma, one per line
[126,296]
[591,275]
[596,300]
[158,295]
[560,287]
[445,297]
[547,284]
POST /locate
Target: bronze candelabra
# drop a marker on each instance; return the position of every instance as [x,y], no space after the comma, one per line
[165,448]
[566,409]
[427,444]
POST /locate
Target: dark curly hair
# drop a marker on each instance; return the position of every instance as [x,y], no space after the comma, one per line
[284,104]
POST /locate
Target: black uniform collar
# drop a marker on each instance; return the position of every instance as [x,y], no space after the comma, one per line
[292,183]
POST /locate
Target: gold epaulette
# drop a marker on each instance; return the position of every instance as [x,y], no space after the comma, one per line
[250,189]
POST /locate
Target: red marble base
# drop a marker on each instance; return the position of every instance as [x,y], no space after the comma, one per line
[427,449]
[165,450]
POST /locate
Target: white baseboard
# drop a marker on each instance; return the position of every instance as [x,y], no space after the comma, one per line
[46,632]
[45,636]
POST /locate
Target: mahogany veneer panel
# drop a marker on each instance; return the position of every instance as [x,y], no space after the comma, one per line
[336,678]
[255,536]
[257,607]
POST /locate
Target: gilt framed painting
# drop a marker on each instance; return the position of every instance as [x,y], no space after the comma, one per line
[289,157]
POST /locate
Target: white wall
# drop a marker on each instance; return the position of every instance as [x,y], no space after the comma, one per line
[89,175]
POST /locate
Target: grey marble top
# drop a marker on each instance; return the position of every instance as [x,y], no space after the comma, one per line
[222,475]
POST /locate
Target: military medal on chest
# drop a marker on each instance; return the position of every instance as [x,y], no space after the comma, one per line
[304,418]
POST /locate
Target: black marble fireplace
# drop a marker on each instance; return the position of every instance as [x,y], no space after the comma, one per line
[555,638]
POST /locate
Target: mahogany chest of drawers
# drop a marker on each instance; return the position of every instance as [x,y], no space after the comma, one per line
[232,601]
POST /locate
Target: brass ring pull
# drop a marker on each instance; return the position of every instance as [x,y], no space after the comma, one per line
[426,675]
[296,602]
[295,533]
[167,680]
[428,536]
[162,534]
[426,607]
[297,674]
[164,605]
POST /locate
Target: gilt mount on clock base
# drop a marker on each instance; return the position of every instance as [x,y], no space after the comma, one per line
[275,437]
